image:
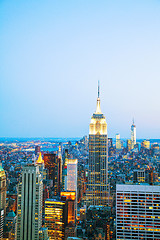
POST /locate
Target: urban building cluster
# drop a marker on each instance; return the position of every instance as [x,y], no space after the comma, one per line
[89,188]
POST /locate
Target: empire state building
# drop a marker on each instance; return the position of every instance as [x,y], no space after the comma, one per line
[98,159]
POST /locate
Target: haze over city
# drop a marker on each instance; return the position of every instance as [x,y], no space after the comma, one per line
[54,52]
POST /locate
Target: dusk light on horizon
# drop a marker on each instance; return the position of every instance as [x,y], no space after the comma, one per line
[54,52]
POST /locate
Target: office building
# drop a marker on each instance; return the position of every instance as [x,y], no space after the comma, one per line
[145,144]
[1,223]
[139,176]
[37,150]
[43,233]
[98,159]
[51,163]
[133,134]
[70,231]
[2,189]
[64,170]
[70,198]
[118,142]
[11,223]
[137,212]
[60,163]
[29,209]
[129,145]
[55,218]
[71,174]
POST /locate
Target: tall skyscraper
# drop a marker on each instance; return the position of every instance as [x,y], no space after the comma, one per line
[60,163]
[137,212]
[2,189]
[98,159]
[29,209]
[51,163]
[133,134]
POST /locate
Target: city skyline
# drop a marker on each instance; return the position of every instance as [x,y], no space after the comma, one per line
[52,55]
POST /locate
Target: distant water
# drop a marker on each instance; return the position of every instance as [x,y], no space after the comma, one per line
[36,140]
[59,140]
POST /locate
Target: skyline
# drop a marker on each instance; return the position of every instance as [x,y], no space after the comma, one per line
[53,55]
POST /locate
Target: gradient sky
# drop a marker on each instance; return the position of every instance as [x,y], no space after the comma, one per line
[52,54]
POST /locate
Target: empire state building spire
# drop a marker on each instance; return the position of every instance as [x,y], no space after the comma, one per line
[98,110]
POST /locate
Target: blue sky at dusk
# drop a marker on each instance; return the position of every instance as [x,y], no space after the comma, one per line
[52,54]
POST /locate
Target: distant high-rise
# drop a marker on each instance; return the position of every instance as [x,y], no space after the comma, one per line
[29,209]
[37,150]
[118,141]
[137,212]
[133,134]
[98,159]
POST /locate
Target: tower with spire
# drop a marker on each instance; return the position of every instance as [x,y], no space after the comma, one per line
[133,134]
[98,158]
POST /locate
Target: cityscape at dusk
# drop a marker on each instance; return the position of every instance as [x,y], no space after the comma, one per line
[79,126]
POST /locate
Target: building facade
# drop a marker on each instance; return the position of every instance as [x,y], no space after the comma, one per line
[2,189]
[98,159]
[137,212]
[51,163]
[55,218]
[29,209]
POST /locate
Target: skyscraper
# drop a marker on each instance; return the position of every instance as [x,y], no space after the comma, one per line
[71,175]
[2,189]
[98,159]
[133,134]
[29,209]
[137,212]
[55,218]
[118,141]
[60,163]
[51,163]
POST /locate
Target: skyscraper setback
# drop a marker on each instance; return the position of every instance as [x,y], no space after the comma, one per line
[98,159]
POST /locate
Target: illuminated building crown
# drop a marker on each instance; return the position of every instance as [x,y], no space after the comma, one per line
[98,123]
[40,160]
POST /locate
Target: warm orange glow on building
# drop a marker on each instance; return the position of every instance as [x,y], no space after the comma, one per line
[69,195]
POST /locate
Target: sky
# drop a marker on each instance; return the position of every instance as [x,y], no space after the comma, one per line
[52,54]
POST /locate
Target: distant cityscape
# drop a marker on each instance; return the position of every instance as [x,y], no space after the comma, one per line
[93,187]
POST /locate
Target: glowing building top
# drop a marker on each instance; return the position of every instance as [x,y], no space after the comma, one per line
[40,160]
[98,123]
